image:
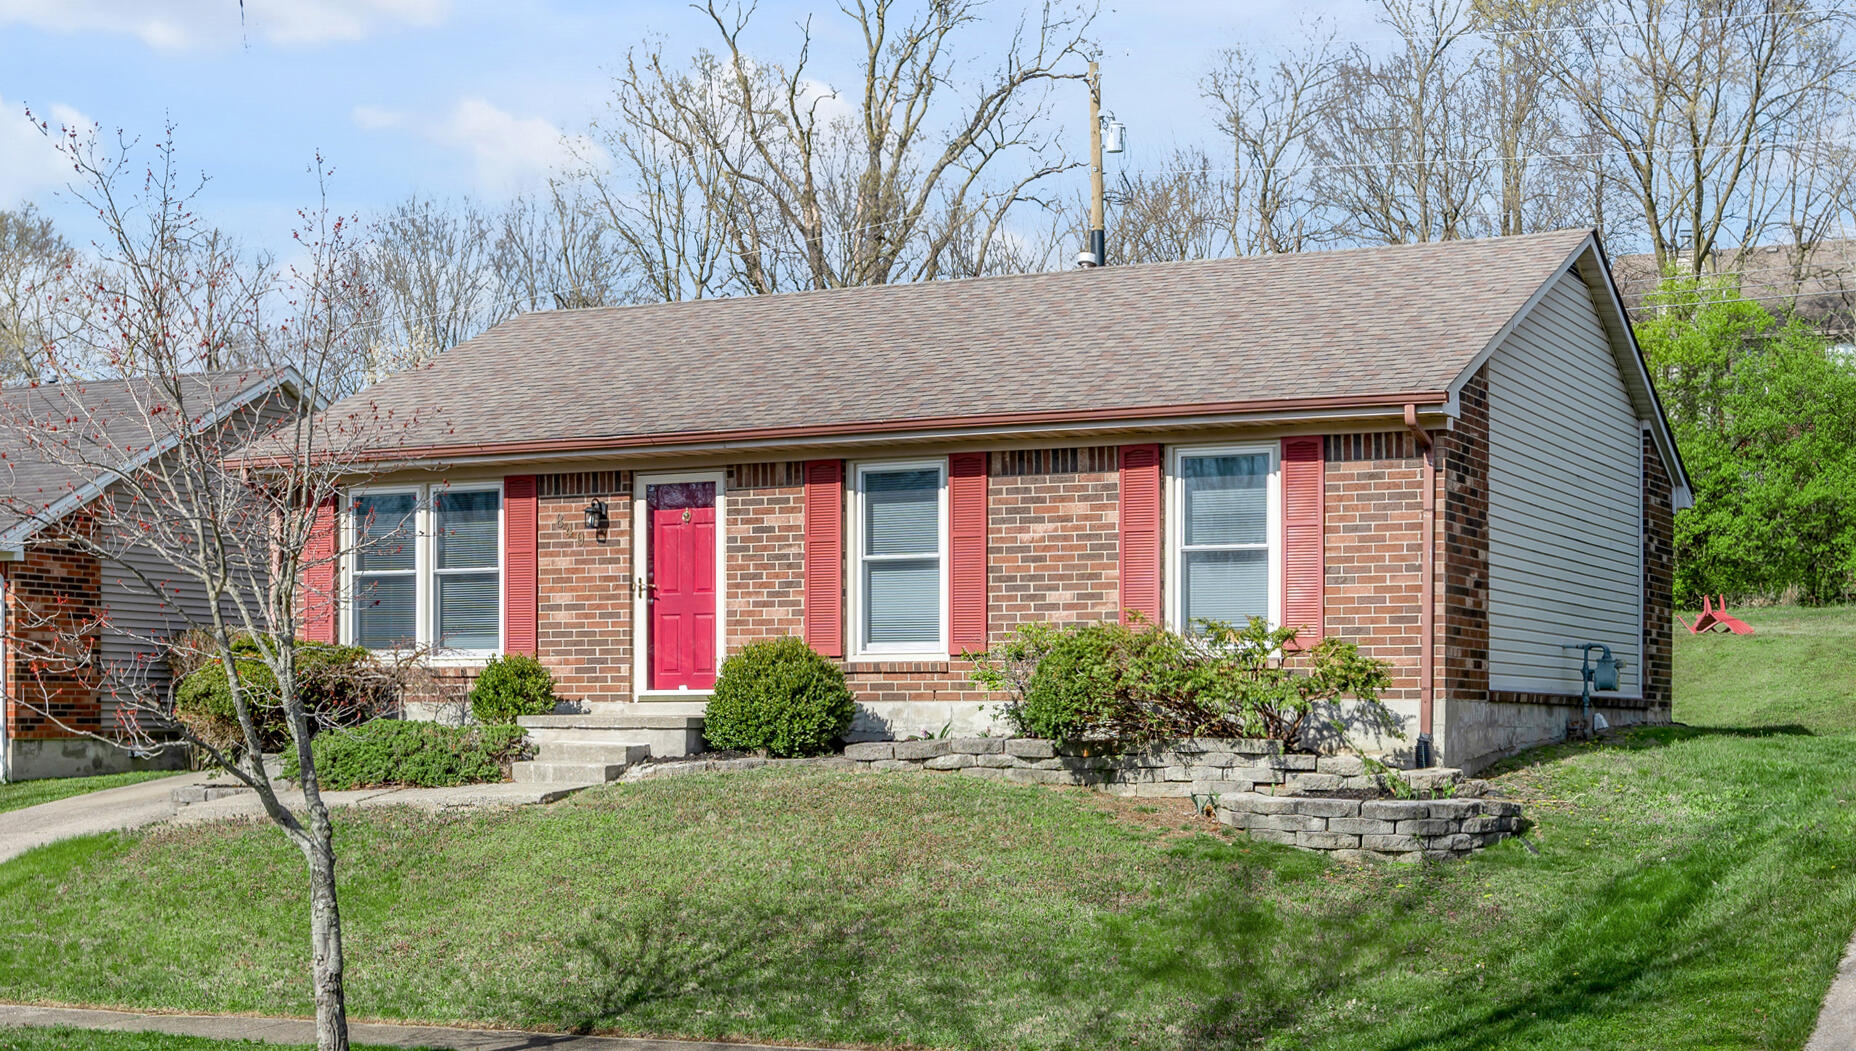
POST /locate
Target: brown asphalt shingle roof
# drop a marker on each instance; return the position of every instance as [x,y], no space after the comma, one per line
[1342,325]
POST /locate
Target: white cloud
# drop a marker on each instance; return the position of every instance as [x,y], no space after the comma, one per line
[29,165]
[179,24]
[377,118]
[510,153]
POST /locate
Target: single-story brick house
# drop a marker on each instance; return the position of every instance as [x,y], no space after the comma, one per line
[79,631]
[1448,453]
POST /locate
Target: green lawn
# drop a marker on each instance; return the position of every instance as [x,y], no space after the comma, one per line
[1693,888]
[1798,668]
[17,794]
[67,1039]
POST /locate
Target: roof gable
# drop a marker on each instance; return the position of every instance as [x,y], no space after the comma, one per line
[105,429]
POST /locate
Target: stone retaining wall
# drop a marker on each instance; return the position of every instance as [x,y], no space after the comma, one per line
[1405,829]
[1209,768]
[1250,785]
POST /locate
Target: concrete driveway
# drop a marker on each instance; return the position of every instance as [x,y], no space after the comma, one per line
[130,806]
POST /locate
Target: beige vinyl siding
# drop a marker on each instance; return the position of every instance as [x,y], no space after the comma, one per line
[1565,500]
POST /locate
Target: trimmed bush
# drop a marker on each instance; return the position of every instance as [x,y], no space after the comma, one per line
[339,685]
[511,687]
[388,752]
[1135,685]
[778,696]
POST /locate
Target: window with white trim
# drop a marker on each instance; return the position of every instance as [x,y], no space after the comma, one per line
[426,568]
[1224,535]
[899,558]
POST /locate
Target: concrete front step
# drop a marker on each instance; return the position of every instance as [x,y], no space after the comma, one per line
[539,771]
[667,735]
[590,750]
[685,708]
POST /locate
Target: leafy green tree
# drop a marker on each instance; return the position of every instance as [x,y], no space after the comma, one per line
[1765,412]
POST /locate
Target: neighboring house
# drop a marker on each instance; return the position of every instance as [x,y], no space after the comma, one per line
[1815,283]
[1447,453]
[63,447]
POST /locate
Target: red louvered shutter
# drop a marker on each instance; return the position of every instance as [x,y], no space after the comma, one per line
[824,556]
[966,527]
[318,575]
[1304,565]
[521,523]
[1140,532]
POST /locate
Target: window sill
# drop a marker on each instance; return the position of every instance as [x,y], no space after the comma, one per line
[456,659]
[901,657]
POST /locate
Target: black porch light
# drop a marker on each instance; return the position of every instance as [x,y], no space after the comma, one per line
[596,515]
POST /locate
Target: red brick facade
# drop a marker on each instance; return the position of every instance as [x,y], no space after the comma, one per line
[54,596]
[1375,545]
[1463,548]
[1052,556]
[583,584]
[1659,574]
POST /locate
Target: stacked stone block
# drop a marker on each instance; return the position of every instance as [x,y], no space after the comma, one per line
[1404,829]
[1306,801]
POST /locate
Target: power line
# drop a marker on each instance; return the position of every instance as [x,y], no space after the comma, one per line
[1489,160]
[1496,34]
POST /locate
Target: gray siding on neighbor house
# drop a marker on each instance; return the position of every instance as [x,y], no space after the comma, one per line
[1565,500]
[141,616]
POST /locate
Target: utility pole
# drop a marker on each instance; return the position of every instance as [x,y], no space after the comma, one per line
[1096,252]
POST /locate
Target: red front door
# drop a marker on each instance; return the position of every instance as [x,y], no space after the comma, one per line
[681,584]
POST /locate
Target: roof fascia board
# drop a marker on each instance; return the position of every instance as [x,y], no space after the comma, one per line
[12,541]
[1431,407]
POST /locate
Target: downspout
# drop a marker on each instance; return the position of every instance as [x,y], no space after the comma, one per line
[1424,754]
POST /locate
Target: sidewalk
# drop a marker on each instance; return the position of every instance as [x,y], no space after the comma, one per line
[303,1031]
[1836,1024]
[137,805]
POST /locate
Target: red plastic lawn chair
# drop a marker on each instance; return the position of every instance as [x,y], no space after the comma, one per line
[1713,617]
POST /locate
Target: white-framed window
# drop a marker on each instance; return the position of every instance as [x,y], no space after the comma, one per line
[899,558]
[426,568]
[1224,534]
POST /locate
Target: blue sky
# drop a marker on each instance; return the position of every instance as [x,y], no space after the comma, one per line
[447,97]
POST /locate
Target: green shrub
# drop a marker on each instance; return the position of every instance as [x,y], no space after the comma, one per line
[511,687]
[420,754]
[1137,685]
[339,686]
[779,696]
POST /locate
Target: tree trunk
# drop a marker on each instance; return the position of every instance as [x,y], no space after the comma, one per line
[325,933]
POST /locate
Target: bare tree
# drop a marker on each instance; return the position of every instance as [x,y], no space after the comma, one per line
[434,265]
[1403,150]
[157,482]
[37,268]
[557,252]
[1182,211]
[1269,114]
[756,177]
[1696,103]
